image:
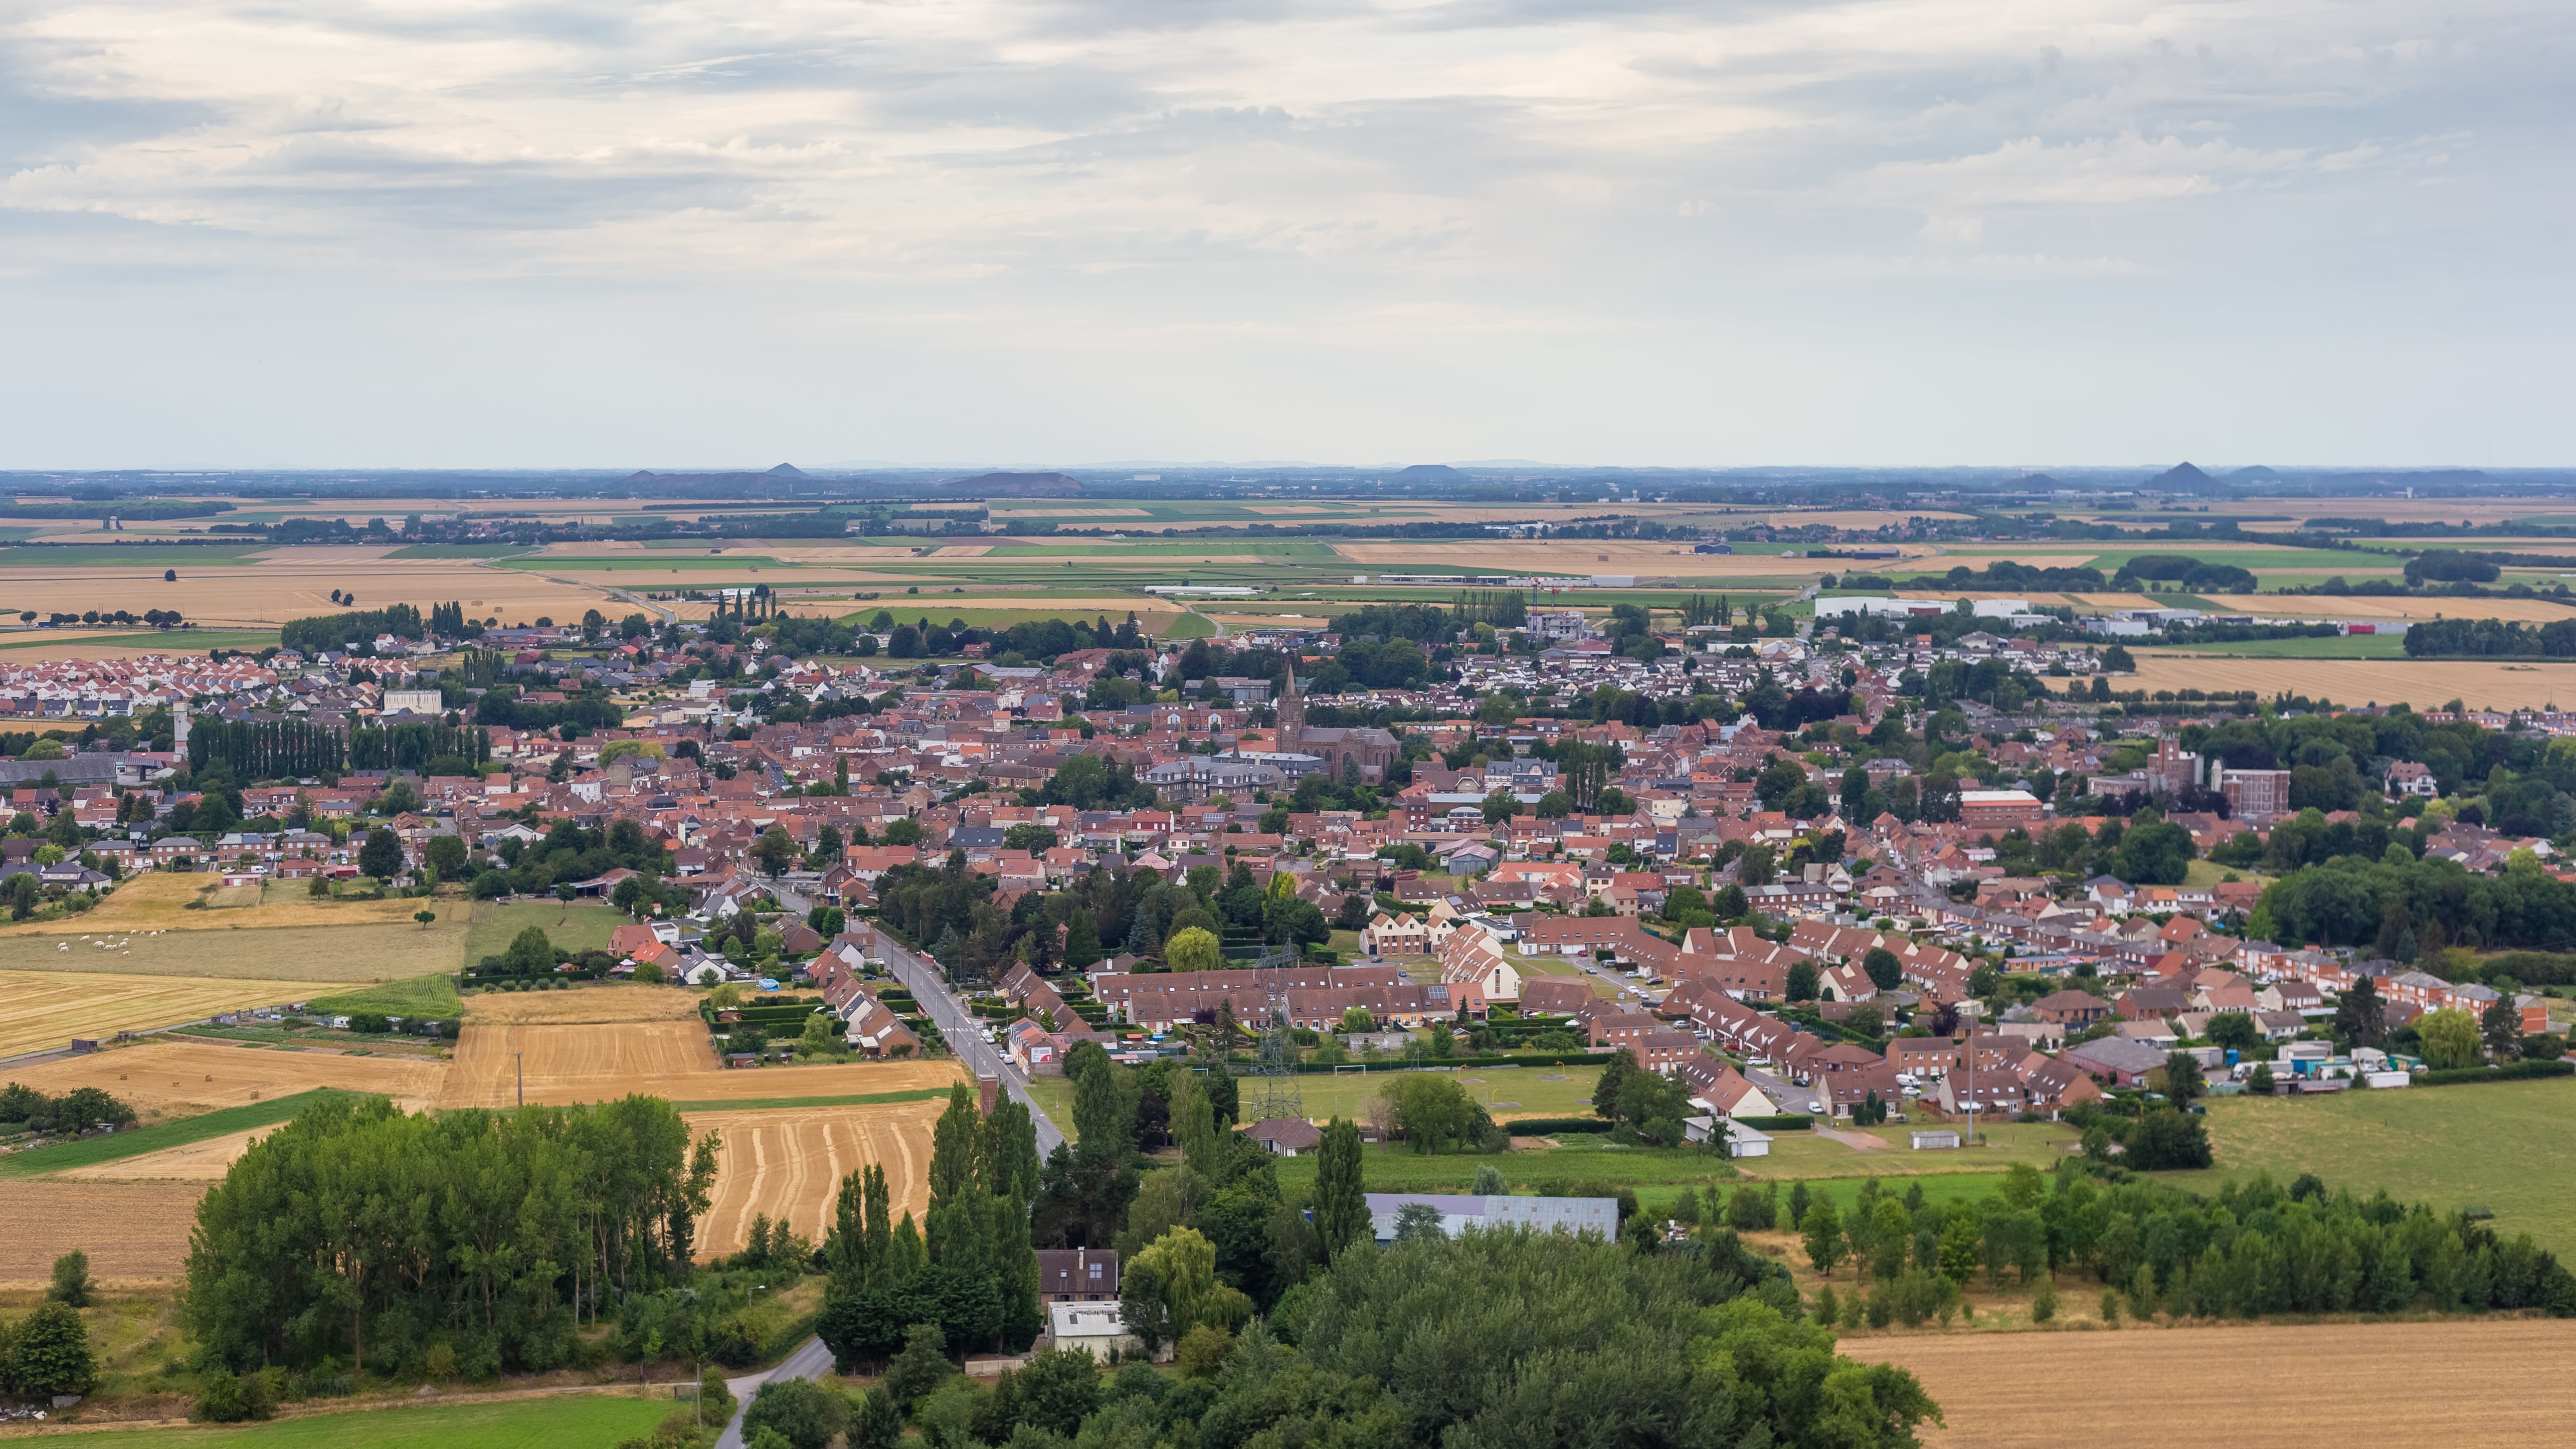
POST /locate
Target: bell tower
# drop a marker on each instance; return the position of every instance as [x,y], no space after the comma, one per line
[1292,716]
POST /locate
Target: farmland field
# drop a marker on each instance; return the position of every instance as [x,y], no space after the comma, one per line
[671,1059]
[607,1002]
[1587,556]
[172,1078]
[133,1231]
[306,954]
[2265,1383]
[162,901]
[2503,1146]
[585,927]
[790,1164]
[2350,646]
[2425,684]
[282,584]
[552,1421]
[46,1009]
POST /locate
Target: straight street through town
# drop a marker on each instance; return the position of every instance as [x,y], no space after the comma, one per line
[929,985]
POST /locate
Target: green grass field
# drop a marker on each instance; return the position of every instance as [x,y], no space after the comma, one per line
[432,996]
[2351,646]
[563,1421]
[585,927]
[116,1148]
[2504,1147]
[1811,1156]
[1190,626]
[175,641]
[1347,1094]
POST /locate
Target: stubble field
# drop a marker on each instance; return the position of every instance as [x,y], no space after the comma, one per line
[2425,684]
[789,1164]
[2471,1383]
[163,901]
[266,590]
[134,1232]
[40,1010]
[182,1079]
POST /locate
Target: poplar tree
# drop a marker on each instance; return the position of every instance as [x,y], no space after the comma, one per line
[1341,1205]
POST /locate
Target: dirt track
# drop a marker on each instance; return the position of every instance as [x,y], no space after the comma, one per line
[2470,1383]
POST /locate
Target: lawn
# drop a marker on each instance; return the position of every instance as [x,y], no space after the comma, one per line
[116,1147]
[2210,873]
[1506,1093]
[1809,1155]
[562,1421]
[583,927]
[431,996]
[2504,1146]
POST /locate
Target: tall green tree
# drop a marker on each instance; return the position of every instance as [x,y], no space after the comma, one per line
[1341,1203]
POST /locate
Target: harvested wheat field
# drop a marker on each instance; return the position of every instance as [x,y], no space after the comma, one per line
[183,1079]
[789,1164]
[604,1003]
[668,1059]
[300,954]
[2428,684]
[134,1232]
[206,1161]
[2276,1383]
[2357,606]
[42,1010]
[179,901]
[576,1063]
[274,590]
[1587,556]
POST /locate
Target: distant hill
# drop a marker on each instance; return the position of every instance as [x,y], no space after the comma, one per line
[2036,480]
[786,470]
[2255,474]
[1017,485]
[2183,475]
[1430,473]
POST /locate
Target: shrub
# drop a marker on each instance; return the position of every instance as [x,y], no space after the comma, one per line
[227,1398]
[52,1354]
[71,1279]
[1203,1350]
[800,1411]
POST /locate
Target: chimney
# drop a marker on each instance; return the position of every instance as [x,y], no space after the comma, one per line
[989,1091]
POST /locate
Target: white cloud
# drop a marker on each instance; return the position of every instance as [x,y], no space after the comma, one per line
[1355,172]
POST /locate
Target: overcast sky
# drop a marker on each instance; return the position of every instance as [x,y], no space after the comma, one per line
[624,233]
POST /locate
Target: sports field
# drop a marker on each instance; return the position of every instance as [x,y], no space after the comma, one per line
[2262,1383]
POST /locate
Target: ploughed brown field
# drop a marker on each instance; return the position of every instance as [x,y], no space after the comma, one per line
[2469,1383]
[789,1164]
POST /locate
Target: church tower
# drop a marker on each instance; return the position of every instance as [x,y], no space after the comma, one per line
[1292,716]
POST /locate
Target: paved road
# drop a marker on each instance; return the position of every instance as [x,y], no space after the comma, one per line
[930,987]
[811,1360]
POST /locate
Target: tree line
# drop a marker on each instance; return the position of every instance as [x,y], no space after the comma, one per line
[364,1233]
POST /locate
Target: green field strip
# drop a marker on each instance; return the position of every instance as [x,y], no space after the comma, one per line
[116,1147]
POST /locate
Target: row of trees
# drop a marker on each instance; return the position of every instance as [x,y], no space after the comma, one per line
[970,1270]
[2254,1248]
[362,1232]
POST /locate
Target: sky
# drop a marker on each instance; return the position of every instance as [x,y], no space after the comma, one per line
[677,233]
